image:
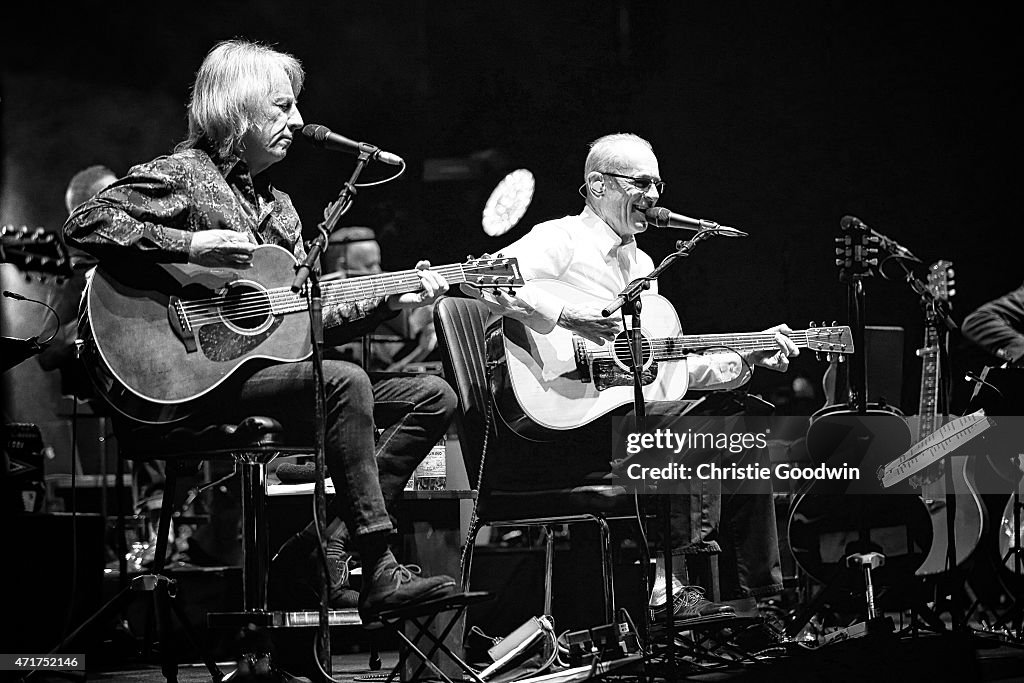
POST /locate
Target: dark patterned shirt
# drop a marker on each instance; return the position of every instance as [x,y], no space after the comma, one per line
[151,213]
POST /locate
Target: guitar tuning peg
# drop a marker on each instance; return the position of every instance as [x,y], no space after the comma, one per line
[470,257]
[834,323]
[812,324]
[817,355]
[841,359]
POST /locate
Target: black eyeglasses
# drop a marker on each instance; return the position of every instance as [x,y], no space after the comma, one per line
[642,184]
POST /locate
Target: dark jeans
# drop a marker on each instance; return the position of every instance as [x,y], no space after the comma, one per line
[414,411]
[738,521]
[285,392]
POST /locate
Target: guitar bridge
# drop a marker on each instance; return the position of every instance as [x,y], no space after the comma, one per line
[180,324]
[607,374]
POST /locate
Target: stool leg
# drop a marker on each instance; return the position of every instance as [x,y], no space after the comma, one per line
[166,512]
[122,542]
[375,662]
[549,568]
[254,532]
[606,569]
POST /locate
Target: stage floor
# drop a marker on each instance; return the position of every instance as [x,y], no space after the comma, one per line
[993,663]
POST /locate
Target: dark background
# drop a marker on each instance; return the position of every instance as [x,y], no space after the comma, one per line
[777,118]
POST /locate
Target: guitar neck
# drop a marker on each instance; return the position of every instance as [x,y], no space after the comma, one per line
[337,292]
[928,405]
[677,348]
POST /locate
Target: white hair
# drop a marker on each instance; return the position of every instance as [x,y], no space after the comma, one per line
[229,96]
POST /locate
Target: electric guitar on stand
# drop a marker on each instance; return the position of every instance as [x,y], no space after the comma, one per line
[159,339]
[969,517]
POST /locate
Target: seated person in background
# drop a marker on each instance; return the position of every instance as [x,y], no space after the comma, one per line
[409,338]
[597,252]
[998,327]
[64,297]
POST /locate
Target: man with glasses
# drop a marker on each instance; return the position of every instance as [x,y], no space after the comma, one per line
[596,251]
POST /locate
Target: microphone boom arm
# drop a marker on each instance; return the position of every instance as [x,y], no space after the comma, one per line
[635,288]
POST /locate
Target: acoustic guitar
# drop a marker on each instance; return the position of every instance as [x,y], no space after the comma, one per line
[829,522]
[156,339]
[544,384]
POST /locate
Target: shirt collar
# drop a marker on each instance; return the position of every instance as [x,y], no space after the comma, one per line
[605,239]
[234,169]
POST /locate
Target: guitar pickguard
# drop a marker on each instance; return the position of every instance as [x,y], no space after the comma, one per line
[607,374]
[220,343]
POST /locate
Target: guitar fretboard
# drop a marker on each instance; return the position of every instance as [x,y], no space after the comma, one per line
[677,348]
[281,300]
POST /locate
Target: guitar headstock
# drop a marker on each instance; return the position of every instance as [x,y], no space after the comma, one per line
[493,272]
[940,280]
[857,250]
[34,250]
[830,342]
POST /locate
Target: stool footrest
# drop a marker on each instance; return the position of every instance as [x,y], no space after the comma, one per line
[428,607]
[279,619]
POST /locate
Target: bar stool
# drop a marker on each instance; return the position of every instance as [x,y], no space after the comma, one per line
[250,443]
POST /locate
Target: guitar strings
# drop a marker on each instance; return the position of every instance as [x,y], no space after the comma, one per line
[280,300]
[800,337]
[283,300]
[352,283]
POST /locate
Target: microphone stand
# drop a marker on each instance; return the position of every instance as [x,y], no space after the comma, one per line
[629,301]
[307,274]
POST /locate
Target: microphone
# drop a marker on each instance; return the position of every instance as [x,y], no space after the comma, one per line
[890,245]
[321,136]
[661,217]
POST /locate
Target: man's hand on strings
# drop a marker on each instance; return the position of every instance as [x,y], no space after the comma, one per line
[777,360]
[432,285]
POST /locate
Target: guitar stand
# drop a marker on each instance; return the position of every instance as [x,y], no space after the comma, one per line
[1015,616]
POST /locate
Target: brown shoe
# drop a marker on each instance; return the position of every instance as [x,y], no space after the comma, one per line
[395,585]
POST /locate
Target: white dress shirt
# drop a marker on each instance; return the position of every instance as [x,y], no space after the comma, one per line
[585,252]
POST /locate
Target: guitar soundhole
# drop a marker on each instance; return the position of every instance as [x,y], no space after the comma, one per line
[245,307]
[623,355]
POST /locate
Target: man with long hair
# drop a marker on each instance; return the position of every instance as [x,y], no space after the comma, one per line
[211,203]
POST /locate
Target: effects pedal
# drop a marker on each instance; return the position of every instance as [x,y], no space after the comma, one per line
[607,642]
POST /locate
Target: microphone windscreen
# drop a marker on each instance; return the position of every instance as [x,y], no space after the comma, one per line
[315,133]
[658,216]
[848,222]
